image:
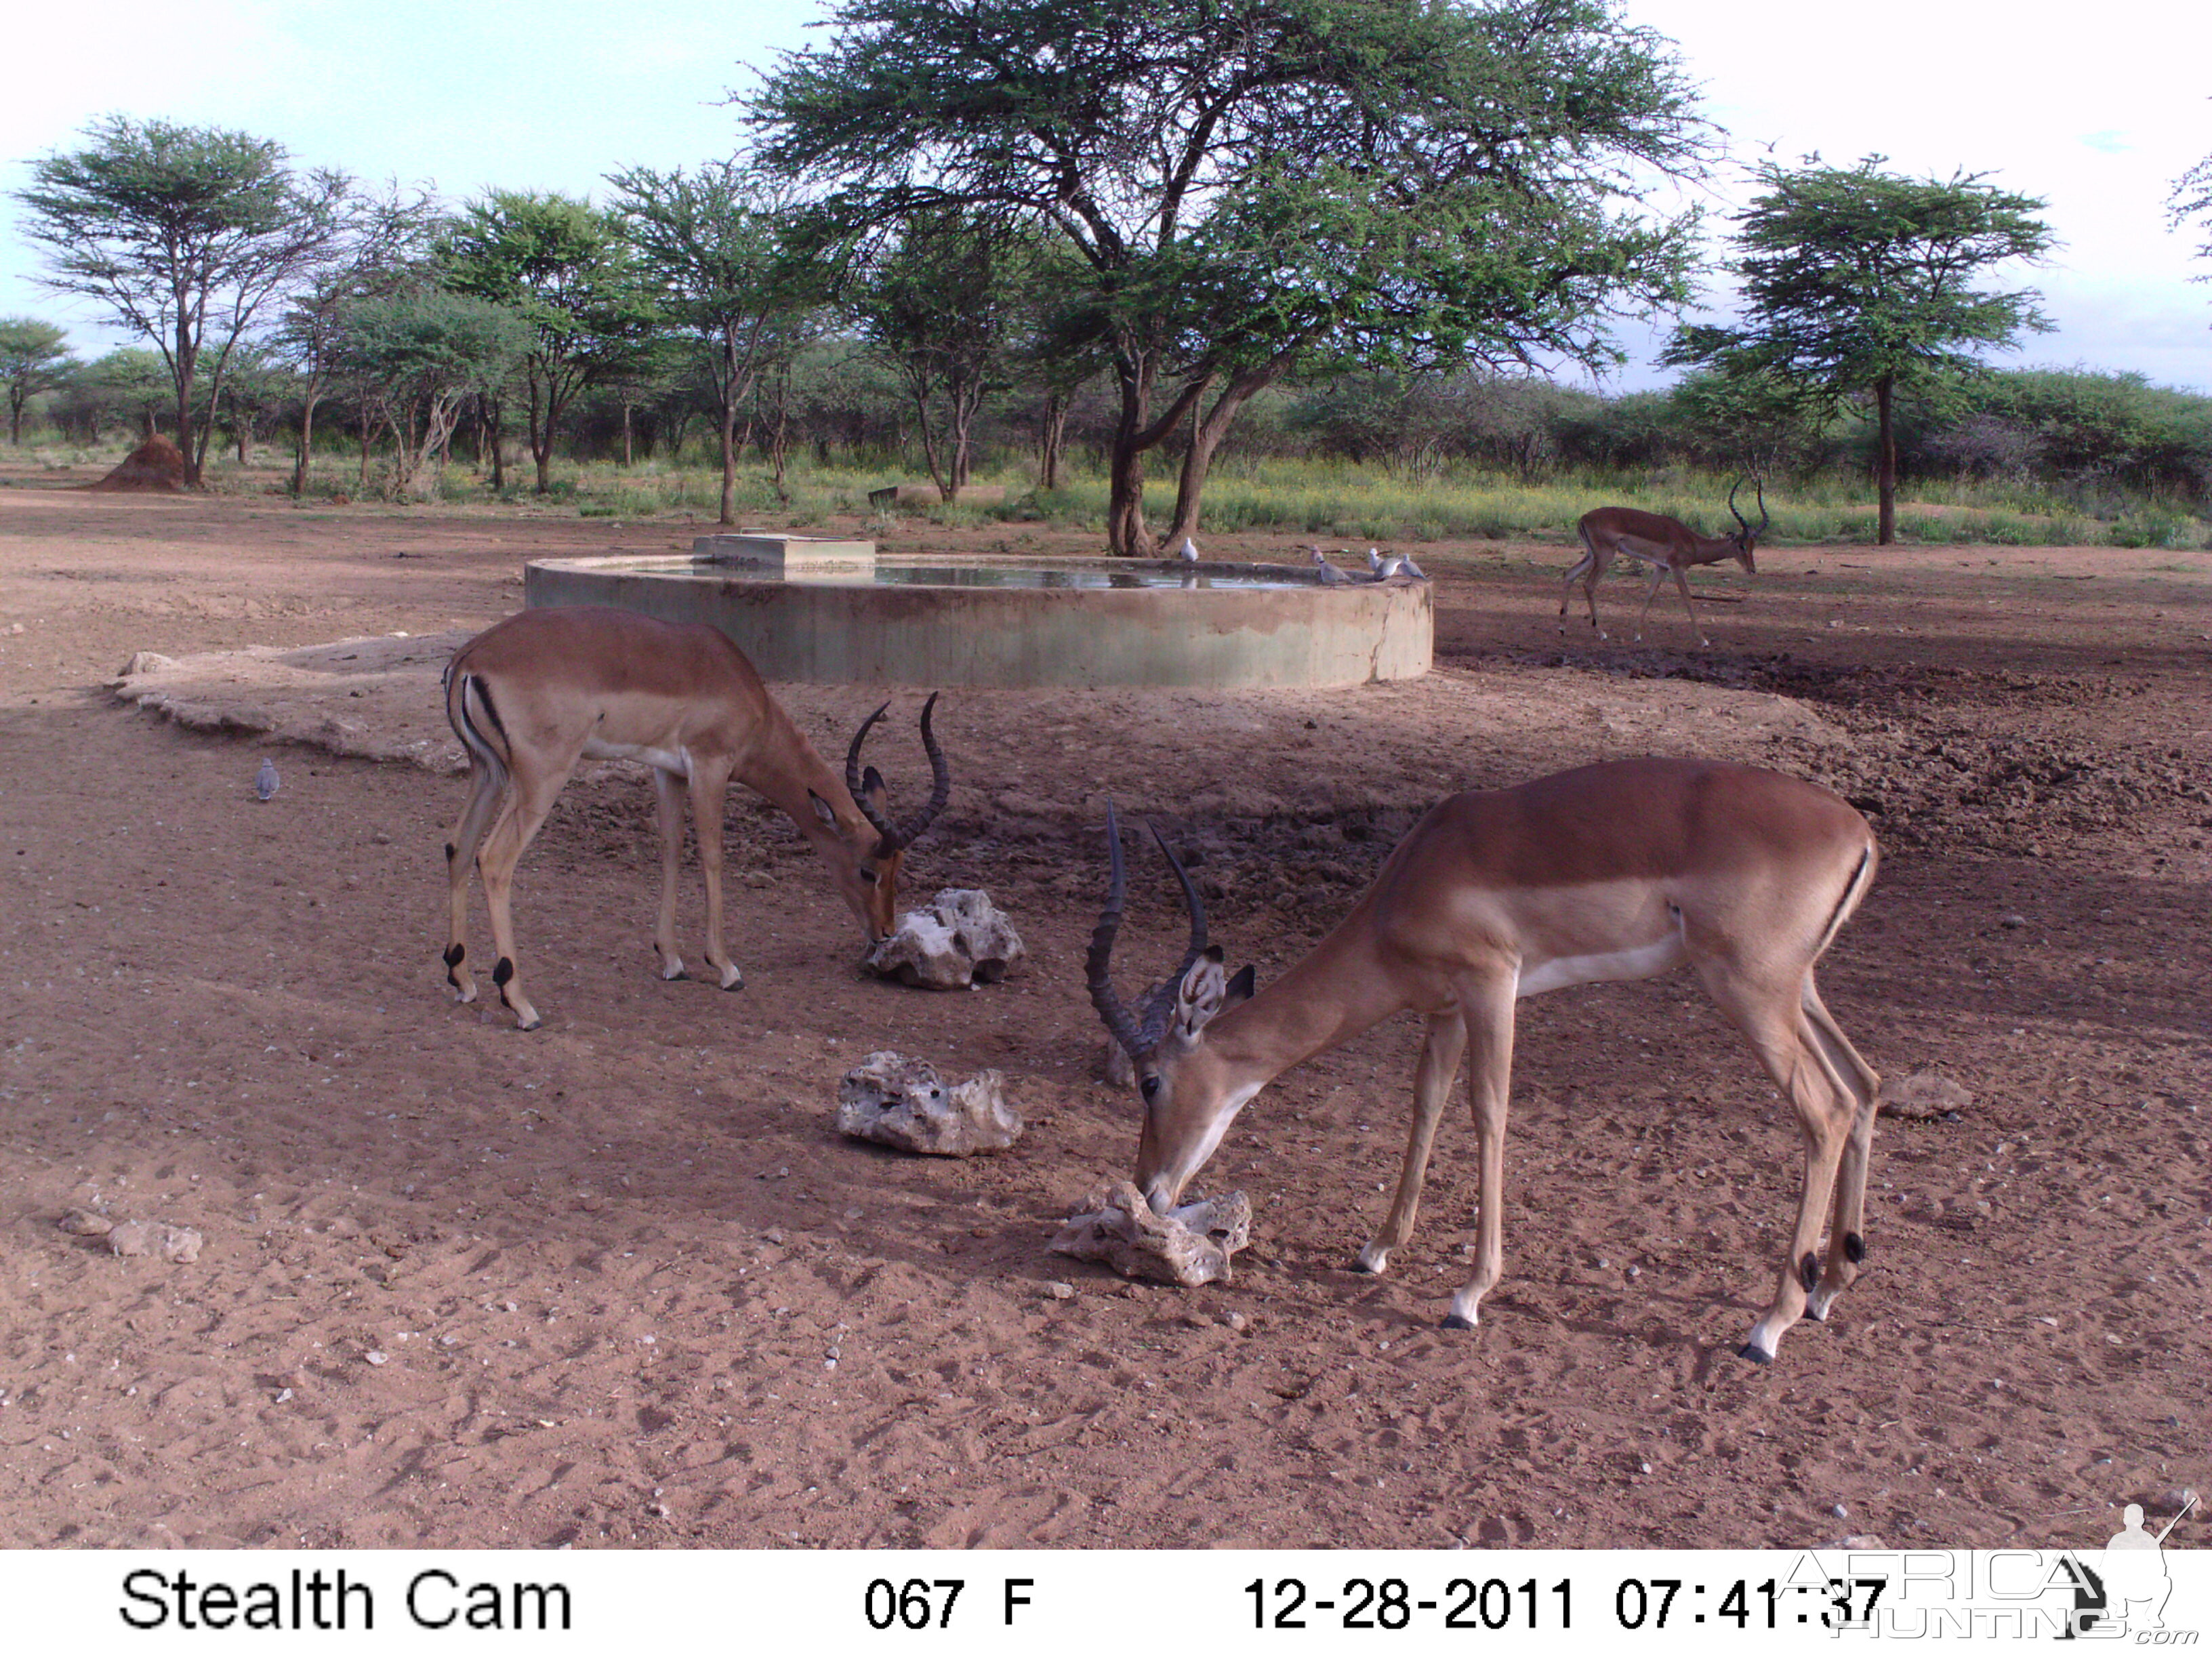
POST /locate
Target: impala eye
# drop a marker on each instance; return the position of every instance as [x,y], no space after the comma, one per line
[867,875]
[1150,1086]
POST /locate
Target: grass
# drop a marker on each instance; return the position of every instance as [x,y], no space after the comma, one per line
[1322,499]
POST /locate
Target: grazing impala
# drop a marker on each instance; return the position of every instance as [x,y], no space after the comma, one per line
[1614,872]
[1668,545]
[531,696]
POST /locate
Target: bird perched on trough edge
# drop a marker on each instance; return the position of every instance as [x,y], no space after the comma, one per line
[1189,551]
[1330,576]
[1383,568]
[1406,565]
[265,780]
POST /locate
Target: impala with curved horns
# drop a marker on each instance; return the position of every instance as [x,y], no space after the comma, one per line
[531,696]
[1668,545]
[1614,872]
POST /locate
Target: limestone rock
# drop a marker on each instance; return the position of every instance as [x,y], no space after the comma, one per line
[902,1103]
[1189,1246]
[155,1238]
[962,940]
[1924,1094]
[144,662]
[85,1224]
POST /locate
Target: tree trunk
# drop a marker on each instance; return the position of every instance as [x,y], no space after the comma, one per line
[626,445]
[1205,436]
[15,418]
[1125,535]
[1051,433]
[1886,466]
[729,439]
[495,421]
[304,459]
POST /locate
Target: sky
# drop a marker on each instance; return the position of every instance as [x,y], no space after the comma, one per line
[553,94]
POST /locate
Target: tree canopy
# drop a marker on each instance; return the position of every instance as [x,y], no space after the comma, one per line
[1858,282]
[719,250]
[564,266]
[34,357]
[1267,180]
[184,233]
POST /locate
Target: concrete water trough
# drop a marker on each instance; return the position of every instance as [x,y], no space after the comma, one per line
[835,612]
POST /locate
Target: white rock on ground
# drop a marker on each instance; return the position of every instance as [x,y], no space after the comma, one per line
[962,940]
[902,1103]
[1924,1094]
[1190,1246]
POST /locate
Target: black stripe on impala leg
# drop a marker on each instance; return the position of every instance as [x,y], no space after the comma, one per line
[1854,1248]
[1808,1270]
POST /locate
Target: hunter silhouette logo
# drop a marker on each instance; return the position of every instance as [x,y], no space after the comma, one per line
[2127,1591]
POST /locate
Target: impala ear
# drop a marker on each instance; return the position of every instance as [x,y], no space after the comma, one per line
[1198,998]
[1239,988]
[872,786]
[821,810]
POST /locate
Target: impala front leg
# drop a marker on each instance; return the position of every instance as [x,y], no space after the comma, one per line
[1432,1080]
[1488,1009]
[710,787]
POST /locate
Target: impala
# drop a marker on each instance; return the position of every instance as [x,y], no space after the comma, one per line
[1668,545]
[531,696]
[1612,872]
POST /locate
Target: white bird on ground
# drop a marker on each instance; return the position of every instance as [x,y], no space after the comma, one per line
[265,780]
[1189,551]
[1330,576]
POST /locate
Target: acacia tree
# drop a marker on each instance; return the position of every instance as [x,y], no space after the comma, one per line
[944,308]
[1858,283]
[33,359]
[718,250]
[418,356]
[382,246]
[184,234]
[1253,182]
[565,267]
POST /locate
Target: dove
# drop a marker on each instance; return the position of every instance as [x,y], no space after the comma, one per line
[265,780]
[1189,551]
[1330,576]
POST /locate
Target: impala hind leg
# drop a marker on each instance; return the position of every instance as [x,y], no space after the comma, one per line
[1772,1023]
[487,784]
[668,800]
[1441,1052]
[710,789]
[1851,1076]
[1487,1010]
[1586,569]
[503,848]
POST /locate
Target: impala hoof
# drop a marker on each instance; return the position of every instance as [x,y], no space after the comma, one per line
[732,978]
[1457,1323]
[530,1024]
[1370,1260]
[1758,1356]
[672,969]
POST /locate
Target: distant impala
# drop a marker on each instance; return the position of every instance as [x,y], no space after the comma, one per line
[1668,545]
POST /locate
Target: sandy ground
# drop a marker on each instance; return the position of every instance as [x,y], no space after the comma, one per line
[618,1282]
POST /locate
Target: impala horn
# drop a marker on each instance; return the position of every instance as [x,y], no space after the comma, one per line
[1759,485]
[896,837]
[1137,1039]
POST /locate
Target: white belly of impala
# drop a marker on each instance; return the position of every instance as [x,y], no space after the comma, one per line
[678,761]
[1637,962]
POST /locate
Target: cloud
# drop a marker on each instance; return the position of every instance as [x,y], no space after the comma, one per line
[2110,142]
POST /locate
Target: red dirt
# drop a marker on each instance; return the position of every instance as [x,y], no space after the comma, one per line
[609,1264]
